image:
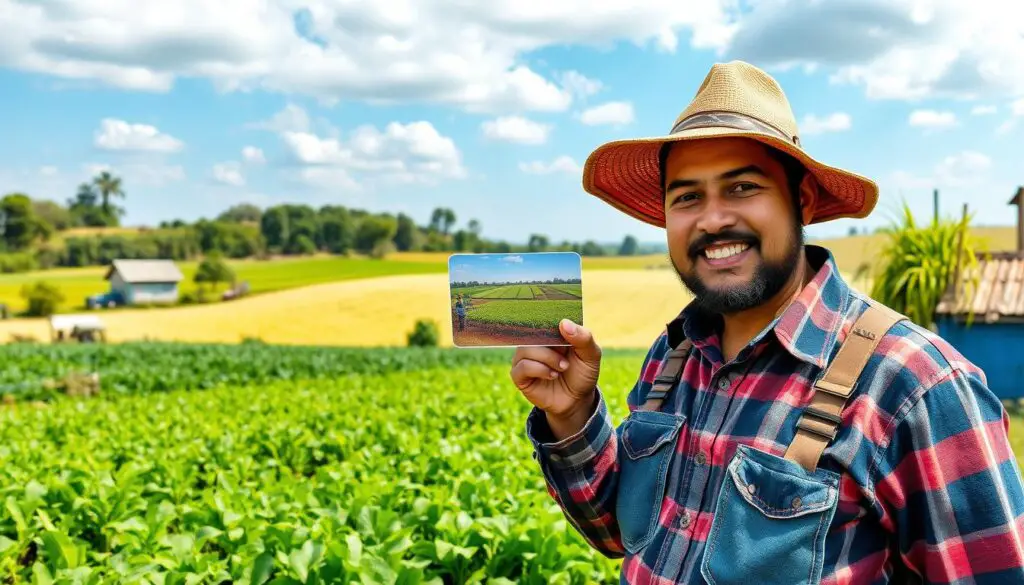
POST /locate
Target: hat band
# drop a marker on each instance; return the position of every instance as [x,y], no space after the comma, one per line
[731,120]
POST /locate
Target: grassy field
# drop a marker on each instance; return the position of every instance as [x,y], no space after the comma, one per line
[262,275]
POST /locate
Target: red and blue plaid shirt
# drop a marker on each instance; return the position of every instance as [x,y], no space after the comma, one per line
[930,491]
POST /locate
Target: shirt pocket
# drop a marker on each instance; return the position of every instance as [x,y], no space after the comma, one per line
[770,522]
[648,440]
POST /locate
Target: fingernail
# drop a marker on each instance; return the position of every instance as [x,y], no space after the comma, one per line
[570,328]
[563,364]
[554,374]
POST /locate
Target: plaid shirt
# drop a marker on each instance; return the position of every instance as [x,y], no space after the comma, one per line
[930,490]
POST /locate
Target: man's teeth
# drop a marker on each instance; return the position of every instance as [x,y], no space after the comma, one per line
[725,251]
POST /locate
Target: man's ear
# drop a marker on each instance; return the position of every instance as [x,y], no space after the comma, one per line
[809,192]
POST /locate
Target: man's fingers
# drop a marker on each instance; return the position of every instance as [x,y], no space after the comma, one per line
[582,340]
[527,370]
[546,355]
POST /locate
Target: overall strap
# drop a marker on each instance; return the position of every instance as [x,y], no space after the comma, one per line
[669,373]
[819,423]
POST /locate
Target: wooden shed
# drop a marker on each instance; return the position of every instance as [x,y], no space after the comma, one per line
[994,337]
[145,281]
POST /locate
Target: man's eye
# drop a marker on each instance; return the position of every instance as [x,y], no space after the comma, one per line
[744,187]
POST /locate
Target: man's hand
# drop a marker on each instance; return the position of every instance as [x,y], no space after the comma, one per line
[560,381]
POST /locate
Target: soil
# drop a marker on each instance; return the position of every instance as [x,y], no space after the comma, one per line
[478,334]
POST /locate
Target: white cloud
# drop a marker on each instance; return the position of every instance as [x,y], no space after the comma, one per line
[228,173]
[516,129]
[463,54]
[251,154]
[613,113]
[404,153]
[983,110]
[48,170]
[835,122]
[291,118]
[120,135]
[1016,112]
[895,49]
[579,84]
[932,119]
[562,164]
[962,169]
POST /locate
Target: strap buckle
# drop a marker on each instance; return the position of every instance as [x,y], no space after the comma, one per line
[824,416]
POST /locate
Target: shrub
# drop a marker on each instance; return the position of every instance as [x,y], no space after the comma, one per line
[43,298]
[917,265]
[424,334]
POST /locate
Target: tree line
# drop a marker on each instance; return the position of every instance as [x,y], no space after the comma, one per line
[35,233]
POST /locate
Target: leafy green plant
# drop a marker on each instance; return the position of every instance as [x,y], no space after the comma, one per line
[395,477]
[424,334]
[918,264]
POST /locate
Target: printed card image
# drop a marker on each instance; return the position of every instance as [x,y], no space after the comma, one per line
[513,299]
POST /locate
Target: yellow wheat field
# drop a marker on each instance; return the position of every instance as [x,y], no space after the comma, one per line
[624,308]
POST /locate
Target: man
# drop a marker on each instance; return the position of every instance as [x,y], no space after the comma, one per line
[784,428]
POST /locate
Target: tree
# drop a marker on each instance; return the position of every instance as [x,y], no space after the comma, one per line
[629,246]
[213,270]
[374,231]
[405,235]
[83,208]
[20,225]
[109,186]
[241,213]
[538,243]
[53,213]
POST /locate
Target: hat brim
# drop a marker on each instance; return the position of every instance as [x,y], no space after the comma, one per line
[625,174]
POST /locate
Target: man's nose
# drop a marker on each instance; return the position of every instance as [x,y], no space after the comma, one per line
[715,216]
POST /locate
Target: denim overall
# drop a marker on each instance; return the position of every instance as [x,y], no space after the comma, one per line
[773,512]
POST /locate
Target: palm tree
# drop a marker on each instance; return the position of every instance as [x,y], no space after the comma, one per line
[108,186]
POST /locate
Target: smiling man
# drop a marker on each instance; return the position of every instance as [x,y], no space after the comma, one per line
[784,428]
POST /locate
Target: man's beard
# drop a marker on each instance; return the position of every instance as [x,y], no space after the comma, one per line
[769,276]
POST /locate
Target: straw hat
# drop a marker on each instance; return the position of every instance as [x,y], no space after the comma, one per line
[735,99]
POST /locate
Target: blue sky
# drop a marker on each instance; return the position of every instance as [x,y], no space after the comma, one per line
[490,109]
[487,268]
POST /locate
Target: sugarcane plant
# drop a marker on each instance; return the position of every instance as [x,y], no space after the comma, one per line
[919,264]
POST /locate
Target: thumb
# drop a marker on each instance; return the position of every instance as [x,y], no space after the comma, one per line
[582,341]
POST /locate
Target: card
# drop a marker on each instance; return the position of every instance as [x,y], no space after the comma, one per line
[502,300]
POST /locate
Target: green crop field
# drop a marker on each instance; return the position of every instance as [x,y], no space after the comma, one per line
[335,466]
[532,314]
[283,465]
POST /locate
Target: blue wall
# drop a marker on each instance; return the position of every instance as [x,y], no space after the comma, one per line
[997,348]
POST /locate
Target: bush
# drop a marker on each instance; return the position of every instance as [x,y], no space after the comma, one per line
[424,334]
[43,298]
[917,265]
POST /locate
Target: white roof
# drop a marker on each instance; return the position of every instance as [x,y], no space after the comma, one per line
[146,270]
[70,321]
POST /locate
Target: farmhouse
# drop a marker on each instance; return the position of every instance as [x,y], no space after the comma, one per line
[994,339]
[144,281]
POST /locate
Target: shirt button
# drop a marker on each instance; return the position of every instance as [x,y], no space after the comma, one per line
[723,383]
[684,520]
[701,459]
[751,489]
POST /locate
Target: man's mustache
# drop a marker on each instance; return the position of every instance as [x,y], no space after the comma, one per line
[705,240]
